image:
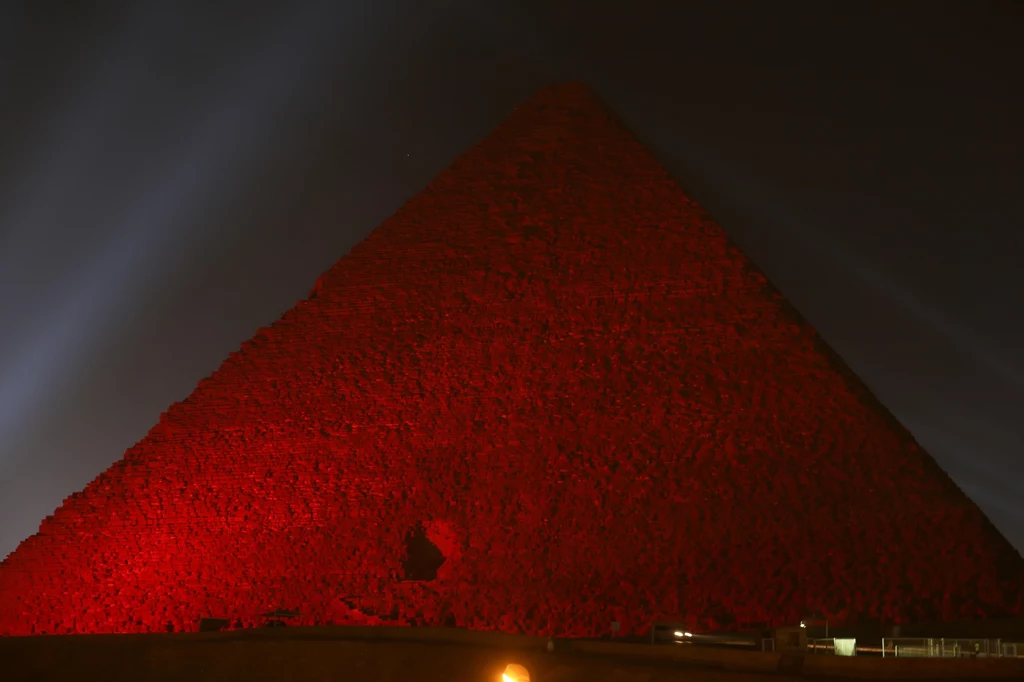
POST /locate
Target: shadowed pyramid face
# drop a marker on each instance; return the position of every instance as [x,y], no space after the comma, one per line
[555,370]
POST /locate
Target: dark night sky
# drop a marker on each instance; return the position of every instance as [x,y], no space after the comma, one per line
[175,175]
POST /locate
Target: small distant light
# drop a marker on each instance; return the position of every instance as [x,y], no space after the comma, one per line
[803,624]
[678,633]
[687,634]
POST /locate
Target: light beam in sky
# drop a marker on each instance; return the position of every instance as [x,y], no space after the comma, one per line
[158,224]
[824,242]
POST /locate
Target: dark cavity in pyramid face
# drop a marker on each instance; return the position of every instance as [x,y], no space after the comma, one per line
[422,557]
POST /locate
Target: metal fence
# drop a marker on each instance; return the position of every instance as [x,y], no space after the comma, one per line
[821,645]
[907,647]
[1012,649]
[922,647]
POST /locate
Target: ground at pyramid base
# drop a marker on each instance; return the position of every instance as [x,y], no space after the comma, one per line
[384,654]
[548,394]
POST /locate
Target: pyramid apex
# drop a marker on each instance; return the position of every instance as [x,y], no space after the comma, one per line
[567,87]
[565,92]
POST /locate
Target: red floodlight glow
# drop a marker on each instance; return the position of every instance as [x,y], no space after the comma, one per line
[555,373]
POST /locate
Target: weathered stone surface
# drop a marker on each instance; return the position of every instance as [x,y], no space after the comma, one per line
[598,410]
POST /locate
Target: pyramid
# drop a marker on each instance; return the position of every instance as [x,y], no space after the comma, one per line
[547,395]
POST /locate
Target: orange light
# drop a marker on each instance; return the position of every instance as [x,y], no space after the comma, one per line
[515,673]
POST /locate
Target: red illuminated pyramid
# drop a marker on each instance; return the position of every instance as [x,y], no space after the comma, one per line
[556,367]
